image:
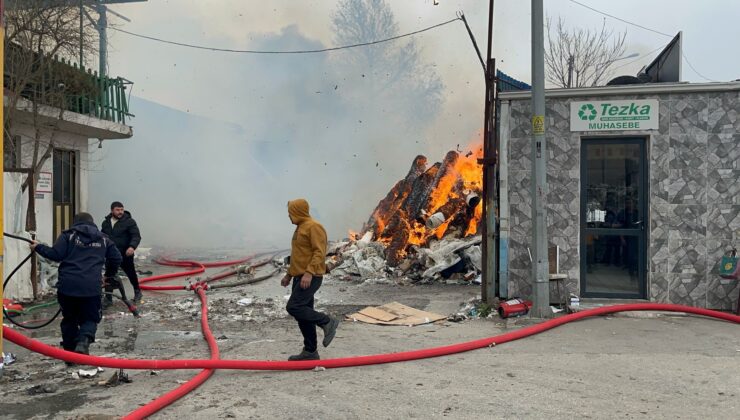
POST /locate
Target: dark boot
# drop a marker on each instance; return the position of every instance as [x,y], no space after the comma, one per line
[305,355]
[68,348]
[137,296]
[83,345]
[330,329]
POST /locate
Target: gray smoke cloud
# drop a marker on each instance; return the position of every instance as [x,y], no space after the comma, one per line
[316,126]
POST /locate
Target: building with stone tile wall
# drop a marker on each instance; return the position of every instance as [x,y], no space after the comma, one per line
[690,164]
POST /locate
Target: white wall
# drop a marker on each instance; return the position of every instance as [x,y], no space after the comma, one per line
[15,211]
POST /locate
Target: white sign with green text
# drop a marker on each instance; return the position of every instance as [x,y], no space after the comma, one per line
[614,115]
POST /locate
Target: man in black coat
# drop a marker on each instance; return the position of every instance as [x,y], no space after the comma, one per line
[82,251]
[122,229]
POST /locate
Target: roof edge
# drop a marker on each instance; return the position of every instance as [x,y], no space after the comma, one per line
[629,89]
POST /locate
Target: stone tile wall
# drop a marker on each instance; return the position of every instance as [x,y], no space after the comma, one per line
[694,199]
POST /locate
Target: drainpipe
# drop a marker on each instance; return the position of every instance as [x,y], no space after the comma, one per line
[503,182]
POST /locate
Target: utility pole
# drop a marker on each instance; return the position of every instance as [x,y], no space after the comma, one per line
[103,39]
[540,266]
[490,162]
[2,171]
[82,33]
[571,62]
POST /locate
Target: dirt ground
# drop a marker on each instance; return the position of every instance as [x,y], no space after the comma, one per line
[616,367]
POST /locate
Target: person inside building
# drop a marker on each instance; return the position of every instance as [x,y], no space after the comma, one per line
[123,230]
[305,272]
[82,251]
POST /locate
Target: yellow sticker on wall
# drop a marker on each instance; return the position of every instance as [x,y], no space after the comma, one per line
[538,124]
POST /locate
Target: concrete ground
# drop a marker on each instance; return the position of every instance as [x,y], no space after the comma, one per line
[616,367]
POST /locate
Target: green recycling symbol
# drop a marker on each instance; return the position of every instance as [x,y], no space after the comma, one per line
[587,112]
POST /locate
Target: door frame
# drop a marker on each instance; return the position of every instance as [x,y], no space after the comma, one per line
[643,239]
[74,188]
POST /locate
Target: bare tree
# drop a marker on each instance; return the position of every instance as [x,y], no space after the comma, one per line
[581,57]
[41,40]
[405,76]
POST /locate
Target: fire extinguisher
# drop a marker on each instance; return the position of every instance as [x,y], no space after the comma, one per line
[514,307]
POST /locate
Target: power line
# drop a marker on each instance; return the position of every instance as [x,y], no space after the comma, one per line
[647,29]
[201,47]
[620,19]
[696,71]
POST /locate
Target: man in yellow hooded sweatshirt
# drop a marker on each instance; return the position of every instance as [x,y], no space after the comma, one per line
[306,271]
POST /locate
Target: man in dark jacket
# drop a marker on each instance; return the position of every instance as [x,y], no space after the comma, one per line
[82,251]
[122,229]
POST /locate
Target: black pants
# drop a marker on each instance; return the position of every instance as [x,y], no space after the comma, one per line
[80,318]
[300,307]
[127,265]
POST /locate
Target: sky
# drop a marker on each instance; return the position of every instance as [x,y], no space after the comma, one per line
[275,127]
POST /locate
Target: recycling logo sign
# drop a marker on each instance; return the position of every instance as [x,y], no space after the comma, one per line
[617,115]
[587,112]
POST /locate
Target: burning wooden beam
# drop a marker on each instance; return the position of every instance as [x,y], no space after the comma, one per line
[426,203]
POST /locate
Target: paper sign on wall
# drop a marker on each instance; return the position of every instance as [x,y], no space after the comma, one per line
[44,182]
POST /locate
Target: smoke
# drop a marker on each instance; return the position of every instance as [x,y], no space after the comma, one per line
[313,126]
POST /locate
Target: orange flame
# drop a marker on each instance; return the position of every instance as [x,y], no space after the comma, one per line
[466,173]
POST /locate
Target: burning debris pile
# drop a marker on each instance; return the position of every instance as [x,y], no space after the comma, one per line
[424,228]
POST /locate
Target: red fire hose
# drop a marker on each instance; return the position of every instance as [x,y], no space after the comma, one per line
[215,363]
[193,383]
[215,264]
[56,353]
[199,268]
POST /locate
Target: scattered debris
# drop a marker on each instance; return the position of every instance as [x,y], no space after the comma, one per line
[319,369]
[43,389]
[154,372]
[120,377]
[89,373]
[245,302]
[395,314]
[9,359]
[474,308]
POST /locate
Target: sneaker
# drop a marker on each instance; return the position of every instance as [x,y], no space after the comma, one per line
[137,296]
[305,355]
[83,346]
[330,329]
[107,302]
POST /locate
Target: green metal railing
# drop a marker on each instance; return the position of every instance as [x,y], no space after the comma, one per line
[104,98]
[59,83]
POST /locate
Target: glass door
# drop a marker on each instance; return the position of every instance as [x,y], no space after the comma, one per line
[613,191]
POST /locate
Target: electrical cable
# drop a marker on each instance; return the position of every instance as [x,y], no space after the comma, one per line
[230,50]
[620,19]
[683,54]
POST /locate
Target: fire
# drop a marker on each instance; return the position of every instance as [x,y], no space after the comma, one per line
[429,202]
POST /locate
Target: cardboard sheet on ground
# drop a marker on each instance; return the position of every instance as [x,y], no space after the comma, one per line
[394,314]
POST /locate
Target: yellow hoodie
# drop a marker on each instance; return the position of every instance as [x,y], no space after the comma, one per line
[308,247]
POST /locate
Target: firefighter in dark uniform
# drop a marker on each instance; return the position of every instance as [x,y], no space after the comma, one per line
[82,251]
